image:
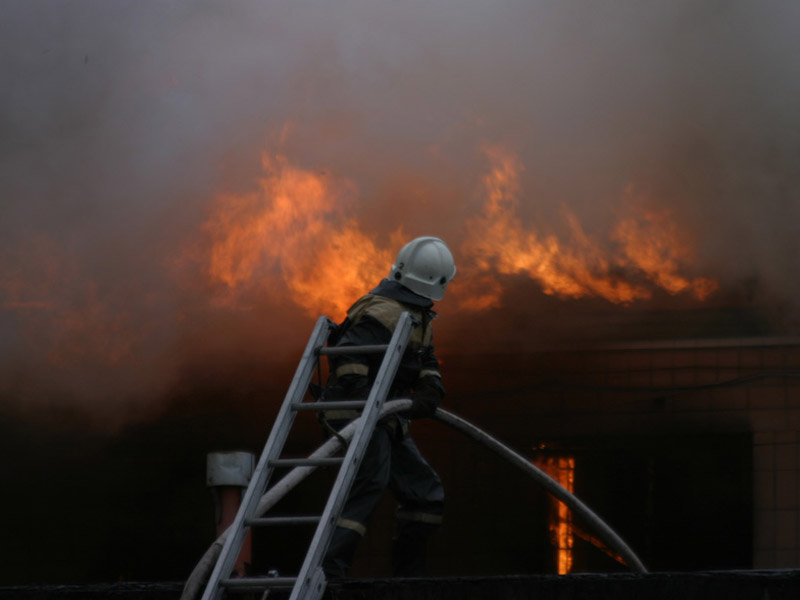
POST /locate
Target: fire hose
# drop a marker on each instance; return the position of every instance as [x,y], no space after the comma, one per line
[196,581]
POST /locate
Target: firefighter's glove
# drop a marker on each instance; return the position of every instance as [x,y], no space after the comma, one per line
[428,395]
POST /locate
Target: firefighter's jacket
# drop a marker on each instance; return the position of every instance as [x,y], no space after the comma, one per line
[372,321]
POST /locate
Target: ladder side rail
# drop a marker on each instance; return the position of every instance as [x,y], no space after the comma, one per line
[272,449]
[310,580]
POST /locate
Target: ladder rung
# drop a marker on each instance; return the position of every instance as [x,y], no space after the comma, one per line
[258,583]
[305,462]
[332,405]
[354,349]
[268,521]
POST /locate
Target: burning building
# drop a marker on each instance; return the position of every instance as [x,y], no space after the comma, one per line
[186,189]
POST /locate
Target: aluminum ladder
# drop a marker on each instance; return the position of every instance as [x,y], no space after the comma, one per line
[310,582]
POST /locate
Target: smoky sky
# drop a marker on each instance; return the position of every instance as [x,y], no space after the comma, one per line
[121,121]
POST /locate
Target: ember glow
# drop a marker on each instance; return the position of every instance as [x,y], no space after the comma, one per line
[38,281]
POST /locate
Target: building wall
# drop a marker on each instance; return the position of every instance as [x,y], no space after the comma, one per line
[745,389]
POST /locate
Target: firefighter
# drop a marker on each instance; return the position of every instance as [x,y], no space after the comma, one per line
[418,277]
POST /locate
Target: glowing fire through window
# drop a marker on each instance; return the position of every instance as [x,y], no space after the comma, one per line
[562,469]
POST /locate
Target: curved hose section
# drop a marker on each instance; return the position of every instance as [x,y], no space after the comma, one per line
[604,531]
[197,579]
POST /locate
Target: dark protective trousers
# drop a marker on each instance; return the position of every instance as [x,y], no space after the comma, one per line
[392,461]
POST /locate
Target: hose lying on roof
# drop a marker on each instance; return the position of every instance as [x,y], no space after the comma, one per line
[199,576]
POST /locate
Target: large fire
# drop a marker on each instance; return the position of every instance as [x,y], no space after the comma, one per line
[294,232]
[297,243]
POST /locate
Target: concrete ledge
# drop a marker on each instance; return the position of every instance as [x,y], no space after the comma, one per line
[731,585]
[99,591]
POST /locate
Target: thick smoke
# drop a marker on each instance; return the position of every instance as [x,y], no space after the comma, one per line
[121,122]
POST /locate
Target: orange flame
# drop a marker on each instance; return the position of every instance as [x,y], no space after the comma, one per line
[499,243]
[653,245]
[293,230]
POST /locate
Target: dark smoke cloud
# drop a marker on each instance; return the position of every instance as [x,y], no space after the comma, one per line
[120,121]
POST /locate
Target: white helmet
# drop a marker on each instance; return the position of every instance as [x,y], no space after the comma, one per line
[425,266]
